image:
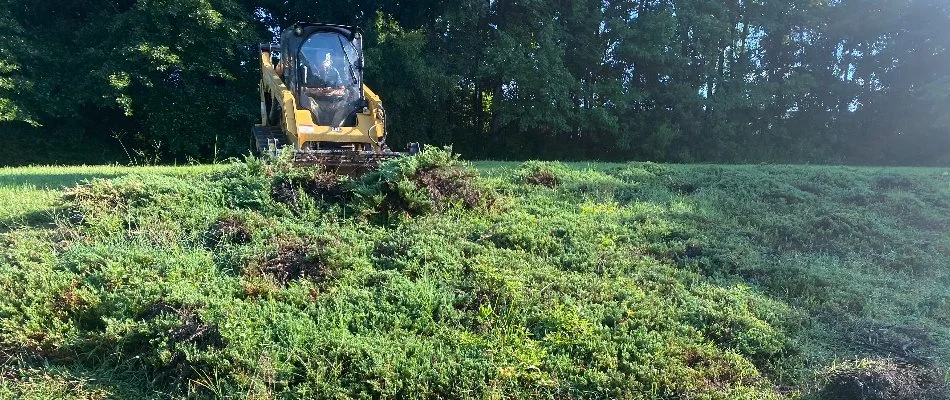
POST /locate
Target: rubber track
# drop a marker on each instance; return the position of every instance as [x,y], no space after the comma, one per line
[268,139]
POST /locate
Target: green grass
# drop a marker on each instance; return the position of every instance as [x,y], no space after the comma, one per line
[535,280]
[28,194]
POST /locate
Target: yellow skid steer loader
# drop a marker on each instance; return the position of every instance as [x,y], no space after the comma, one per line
[313,98]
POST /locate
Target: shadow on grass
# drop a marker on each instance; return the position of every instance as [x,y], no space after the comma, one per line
[32,219]
[40,372]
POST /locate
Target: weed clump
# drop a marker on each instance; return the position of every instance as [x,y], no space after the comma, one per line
[317,184]
[432,181]
[540,173]
[191,328]
[162,308]
[230,229]
[884,379]
[185,338]
[195,331]
[894,182]
[449,186]
[292,260]
[101,197]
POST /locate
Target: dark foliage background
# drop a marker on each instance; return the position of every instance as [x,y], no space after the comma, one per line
[844,81]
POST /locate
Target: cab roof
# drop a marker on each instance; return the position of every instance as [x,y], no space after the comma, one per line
[307,28]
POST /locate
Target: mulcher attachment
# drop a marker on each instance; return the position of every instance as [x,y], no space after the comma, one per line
[270,140]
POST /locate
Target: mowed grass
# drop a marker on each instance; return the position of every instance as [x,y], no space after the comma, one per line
[437,279]
[28,194]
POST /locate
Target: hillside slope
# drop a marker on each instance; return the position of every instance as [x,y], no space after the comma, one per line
[429,279]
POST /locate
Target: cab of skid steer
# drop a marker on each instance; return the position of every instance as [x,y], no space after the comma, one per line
[322,65]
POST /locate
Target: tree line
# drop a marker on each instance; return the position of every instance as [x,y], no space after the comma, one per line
[824,81]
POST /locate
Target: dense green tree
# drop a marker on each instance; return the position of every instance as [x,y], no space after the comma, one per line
[856,81]
[170,75]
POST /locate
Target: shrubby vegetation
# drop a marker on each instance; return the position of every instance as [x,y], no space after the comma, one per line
[429,278]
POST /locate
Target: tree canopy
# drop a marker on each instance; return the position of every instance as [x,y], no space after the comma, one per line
[844,81]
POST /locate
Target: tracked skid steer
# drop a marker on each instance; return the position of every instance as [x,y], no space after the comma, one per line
[313,98]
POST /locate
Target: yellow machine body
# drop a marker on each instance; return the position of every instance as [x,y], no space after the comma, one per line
[330,118]
[298,124]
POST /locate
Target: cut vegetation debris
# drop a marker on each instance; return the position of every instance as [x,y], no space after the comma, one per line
[434,278]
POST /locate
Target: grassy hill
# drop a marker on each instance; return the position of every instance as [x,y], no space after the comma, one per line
[433,278]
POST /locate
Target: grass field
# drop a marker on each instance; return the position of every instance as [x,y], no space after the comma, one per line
[438,279]
[29,193]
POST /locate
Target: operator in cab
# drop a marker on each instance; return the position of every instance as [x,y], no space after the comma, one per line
[327,75]
[325,93]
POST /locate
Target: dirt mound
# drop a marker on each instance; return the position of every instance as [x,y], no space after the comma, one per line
[894,182]
[885,379]
[292,261]
[191,330]
[447,186]
[540,173]
[195,331]
[543,178]
[161,307]
[316,184]
[230,230]
[684,188]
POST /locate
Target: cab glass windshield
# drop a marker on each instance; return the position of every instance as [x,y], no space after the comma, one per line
[328,60]
[329,81]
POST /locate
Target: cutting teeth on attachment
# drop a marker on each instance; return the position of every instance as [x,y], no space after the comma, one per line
[344,162]
[269,142]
